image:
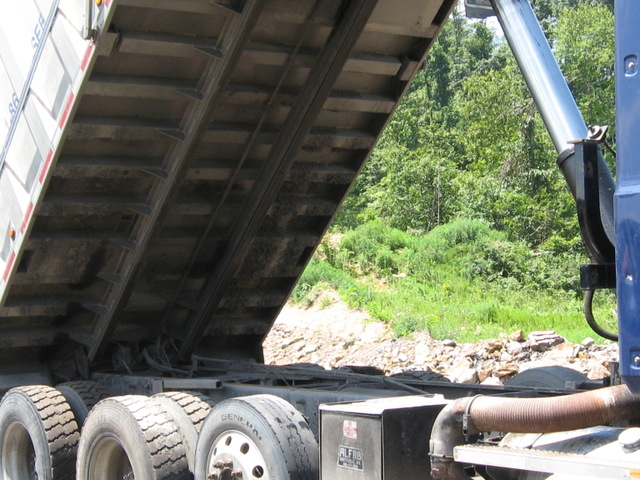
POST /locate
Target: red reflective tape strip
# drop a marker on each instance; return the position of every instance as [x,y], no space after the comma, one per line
[45,167]
[9,266]
[87,57]
[67,109]
[27,217]
[107,3]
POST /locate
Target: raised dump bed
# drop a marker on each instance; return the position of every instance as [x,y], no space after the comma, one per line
[184,175]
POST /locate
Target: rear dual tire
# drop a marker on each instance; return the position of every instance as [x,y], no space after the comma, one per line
[260,437]
[38,435]
[188,411]
[82,396]
[131,437]
[134,437]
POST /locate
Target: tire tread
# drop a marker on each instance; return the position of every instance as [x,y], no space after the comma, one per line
[59,424]
[195,405]
[295,436]
[161,436]
[289,443]
[87,392]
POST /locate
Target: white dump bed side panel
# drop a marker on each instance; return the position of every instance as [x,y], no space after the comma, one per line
[43,59]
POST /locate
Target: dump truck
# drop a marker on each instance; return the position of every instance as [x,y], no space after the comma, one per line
[168,169]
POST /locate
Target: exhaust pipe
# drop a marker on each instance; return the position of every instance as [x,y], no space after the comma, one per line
[472,415]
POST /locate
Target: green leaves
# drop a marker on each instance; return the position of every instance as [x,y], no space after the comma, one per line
[584,45]
[462,280]
[468,142]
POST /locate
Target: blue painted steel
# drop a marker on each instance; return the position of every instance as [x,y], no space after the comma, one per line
[627,197]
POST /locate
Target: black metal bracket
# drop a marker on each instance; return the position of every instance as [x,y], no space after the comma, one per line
[600,248]
[597,277]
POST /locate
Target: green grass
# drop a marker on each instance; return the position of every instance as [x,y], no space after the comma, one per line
[462,281]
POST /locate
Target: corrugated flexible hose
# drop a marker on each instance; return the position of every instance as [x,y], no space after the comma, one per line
[523,415]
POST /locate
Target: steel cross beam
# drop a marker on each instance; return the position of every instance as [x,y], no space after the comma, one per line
[330,63]
[196,120]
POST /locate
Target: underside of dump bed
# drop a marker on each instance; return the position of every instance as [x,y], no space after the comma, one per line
[204,159]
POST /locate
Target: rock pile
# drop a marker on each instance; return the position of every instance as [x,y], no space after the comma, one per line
[336,336]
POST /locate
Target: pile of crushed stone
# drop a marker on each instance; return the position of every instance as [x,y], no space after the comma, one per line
[337,336]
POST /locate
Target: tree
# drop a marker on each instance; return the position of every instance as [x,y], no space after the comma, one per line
[467,141]
[584,46]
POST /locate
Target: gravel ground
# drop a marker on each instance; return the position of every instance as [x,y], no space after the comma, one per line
[337,336]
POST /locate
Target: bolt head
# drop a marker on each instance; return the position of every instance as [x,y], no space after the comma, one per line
[630,439]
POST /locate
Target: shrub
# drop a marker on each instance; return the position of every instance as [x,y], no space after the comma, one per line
[319,272]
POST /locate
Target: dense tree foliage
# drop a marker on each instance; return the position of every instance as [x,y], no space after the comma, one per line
[467,141]
[461,223]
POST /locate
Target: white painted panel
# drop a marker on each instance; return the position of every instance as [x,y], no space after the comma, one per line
[43,60]
[14,198]
[44,5]
[22,27]
[8,104]
[22,157]
[51,82]
[74,11]
[43,125]
[69,43]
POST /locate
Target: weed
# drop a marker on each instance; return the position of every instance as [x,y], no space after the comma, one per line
[462,280]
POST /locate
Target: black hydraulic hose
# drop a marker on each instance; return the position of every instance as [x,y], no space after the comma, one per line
[523,415]
[591,320]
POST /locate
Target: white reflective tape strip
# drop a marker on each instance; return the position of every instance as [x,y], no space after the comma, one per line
[9,266]
[87,57]
[27,218]
[67,109]
[45,166]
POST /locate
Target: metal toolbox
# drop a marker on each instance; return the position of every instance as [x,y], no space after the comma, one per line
[385,438]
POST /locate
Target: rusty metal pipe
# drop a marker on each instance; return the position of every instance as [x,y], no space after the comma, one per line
[523,415]
[553,414]
[447,432]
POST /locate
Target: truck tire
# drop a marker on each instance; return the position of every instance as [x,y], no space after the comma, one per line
[131,437]
[260,437]
[546,377]
[82,396]
[38,435]
[188,411]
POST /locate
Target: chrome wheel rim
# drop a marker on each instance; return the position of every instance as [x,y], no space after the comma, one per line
[234,455]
